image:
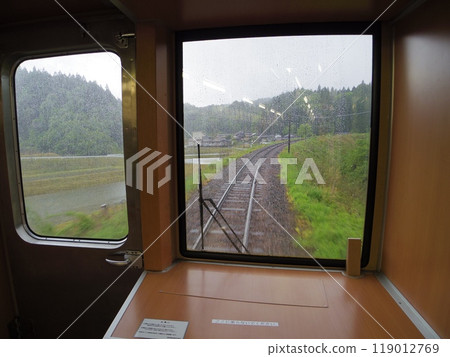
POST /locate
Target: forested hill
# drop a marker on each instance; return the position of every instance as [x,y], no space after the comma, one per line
[66,115]
[324,111]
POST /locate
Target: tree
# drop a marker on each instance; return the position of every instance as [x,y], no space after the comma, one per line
[335,111]
[66,115]
[304,131]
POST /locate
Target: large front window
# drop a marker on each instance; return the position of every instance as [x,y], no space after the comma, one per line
[283,128]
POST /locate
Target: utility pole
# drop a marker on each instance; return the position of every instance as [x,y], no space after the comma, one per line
[289,137]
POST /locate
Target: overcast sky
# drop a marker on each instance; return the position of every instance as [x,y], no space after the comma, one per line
[222,71]
[102,67]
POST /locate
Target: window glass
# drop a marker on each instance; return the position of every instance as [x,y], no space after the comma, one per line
[283,125]
[69,123]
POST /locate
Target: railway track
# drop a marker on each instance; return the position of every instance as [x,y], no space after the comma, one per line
[248,226]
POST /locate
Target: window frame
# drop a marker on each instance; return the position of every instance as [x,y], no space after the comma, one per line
[23,210]
[282,30]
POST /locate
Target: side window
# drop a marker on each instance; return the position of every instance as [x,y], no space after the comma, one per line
[69,125]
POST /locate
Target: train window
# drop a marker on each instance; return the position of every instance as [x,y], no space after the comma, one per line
[282,124]
[69,125]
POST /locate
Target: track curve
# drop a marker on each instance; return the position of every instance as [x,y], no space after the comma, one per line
[253,202]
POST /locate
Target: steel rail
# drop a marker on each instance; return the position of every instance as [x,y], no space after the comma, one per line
[224,195]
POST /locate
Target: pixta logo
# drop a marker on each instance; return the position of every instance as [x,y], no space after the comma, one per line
[308,167]
[142,159]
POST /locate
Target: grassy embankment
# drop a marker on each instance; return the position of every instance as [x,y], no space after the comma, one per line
[108,223]
[329,214]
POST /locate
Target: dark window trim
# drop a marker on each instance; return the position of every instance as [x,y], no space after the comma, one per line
[114,242]
[282,30]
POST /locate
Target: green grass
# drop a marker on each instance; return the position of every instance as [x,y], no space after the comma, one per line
[329,214]
[41,176]
[222,151]
[106,223]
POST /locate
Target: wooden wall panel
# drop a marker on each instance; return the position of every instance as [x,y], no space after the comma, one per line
[156,131]
[417,234]
[194,14]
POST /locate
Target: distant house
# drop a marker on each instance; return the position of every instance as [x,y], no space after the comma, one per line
[265,139]
[239,135]
[243,136]
[216,142]
[223,142]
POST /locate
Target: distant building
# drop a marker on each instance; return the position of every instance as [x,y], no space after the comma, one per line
[216,142]
[239,135]
[265,139]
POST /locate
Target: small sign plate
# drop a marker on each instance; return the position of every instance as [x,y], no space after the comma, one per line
[245,323]
[152,328]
